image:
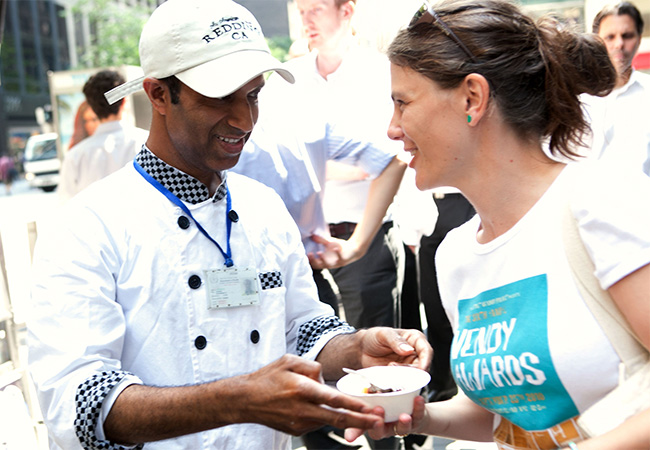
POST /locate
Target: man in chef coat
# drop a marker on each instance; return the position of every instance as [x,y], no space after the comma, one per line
[173,306]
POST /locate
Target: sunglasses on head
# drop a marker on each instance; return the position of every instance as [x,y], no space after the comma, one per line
[426,14]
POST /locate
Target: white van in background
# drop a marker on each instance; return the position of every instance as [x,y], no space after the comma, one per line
[41,162]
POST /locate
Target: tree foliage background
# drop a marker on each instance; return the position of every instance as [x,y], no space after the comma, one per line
[116,33]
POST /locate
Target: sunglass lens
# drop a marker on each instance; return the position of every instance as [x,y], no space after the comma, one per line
[418,15]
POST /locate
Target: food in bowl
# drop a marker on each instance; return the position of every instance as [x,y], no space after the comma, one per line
[406,383]
[375,390]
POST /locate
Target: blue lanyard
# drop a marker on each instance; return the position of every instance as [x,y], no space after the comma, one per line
[175,200]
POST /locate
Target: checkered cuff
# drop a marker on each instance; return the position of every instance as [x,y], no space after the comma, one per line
[89,399]
[270,280]
[310,332]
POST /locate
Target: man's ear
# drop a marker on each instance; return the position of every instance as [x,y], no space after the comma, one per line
[476,92]
[158,94]
[347,9]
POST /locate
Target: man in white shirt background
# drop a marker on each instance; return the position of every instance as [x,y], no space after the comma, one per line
[113,144]
[338,110]
[307,125]
[619,121]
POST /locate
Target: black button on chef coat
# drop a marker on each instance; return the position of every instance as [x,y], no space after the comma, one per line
[200,342]
[183,222]
[194,281]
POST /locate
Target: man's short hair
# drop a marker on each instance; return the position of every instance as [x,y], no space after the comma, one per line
[94,89]
[340,3]
[174,85]
[620,9]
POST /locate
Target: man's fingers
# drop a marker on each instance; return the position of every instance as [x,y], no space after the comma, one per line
[312,416]
[336,400]
[314,261]
[351,434]
[343,418]
[343,411]
[319,239]
[414,348]
[296,364]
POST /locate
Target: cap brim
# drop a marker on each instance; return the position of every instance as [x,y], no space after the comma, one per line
[223,76]
[217,78]
[118,93]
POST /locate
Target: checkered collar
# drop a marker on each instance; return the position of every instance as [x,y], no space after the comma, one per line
[182,185]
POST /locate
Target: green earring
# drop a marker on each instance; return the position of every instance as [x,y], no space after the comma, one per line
[469,118]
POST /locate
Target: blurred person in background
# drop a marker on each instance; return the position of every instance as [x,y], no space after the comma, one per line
[620,121]
[8,172]
[113,144]
[333,119]
[85,124]
[351,84]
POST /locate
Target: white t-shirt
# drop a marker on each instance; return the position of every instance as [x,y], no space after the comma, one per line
[526,345]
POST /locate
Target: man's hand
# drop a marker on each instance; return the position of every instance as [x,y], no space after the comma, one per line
[289,395]
[382,346]
[336,252]
[376,346]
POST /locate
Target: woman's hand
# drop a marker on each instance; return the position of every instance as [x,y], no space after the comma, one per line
[405,425]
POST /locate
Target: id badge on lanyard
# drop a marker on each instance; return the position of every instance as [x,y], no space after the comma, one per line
[228,287]
[232,287]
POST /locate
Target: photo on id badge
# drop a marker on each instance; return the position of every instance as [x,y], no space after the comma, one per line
[232,287]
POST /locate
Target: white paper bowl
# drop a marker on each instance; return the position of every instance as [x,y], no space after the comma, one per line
[409,379]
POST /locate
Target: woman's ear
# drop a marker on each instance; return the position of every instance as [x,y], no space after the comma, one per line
[158,94]
[476,91]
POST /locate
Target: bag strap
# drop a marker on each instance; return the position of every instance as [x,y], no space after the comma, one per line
[626,343]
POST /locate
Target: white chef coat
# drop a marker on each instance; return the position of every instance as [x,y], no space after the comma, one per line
[115,290]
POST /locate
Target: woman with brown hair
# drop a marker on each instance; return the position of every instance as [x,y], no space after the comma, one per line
[486,100]
[85,124]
